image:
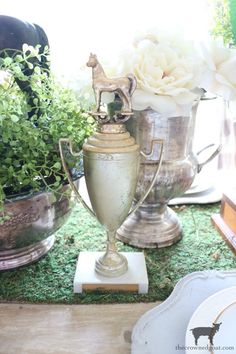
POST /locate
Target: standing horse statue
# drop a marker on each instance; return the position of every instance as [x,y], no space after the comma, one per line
[123,86]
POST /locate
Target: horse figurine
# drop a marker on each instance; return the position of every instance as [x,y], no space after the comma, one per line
[123,86]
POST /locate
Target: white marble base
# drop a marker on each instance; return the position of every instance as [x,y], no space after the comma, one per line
[135,279]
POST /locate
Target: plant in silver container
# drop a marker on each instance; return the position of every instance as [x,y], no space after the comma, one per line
[35,198]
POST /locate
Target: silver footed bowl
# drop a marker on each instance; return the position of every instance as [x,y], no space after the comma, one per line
[27,233]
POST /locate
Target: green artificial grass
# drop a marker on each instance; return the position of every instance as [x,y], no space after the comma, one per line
[50,280]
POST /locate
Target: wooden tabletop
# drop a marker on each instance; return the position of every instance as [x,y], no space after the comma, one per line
[67,329]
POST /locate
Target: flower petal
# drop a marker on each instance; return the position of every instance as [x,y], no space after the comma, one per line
[166,105]
[228,70]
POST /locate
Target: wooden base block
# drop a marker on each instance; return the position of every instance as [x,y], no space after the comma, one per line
[228,235]
[228,210]
[135,279]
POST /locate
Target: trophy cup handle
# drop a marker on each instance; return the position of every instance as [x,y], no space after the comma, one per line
[68,141]
[211,157]
[155,141]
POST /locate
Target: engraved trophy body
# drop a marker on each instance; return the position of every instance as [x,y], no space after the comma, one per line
[111,160]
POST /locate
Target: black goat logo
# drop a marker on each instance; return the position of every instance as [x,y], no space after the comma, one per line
[206,331]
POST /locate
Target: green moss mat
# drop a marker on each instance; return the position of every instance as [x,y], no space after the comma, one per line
[51,279]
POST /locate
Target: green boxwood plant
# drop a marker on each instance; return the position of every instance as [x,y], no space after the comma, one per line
[29,154]
[224,21]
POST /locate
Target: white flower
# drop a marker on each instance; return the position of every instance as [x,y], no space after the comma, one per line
[219,76]
[166,72]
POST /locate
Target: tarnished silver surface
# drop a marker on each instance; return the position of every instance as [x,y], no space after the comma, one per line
[111,164]
[27,234]
[154,224]
[111,182]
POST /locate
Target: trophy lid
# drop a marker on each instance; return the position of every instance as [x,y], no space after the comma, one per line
[111,141]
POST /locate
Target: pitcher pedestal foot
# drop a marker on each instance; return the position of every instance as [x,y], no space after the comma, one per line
[150,228]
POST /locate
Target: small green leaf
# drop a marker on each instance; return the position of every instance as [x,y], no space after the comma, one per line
[90,120]
[25,47]
[57,165]
[30,65]
[19,58]
[37,70]
[8,61]
[17,69]
[14,118]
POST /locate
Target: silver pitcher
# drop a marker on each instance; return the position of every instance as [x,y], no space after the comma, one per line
[154,224]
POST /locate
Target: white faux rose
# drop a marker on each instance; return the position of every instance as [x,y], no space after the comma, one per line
[166,75]
[219,76]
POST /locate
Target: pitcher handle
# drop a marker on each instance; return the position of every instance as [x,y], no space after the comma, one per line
[214,154]
[68,141]
[156,141]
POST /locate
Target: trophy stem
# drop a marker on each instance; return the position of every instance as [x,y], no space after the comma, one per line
[112,263]
[111,241]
